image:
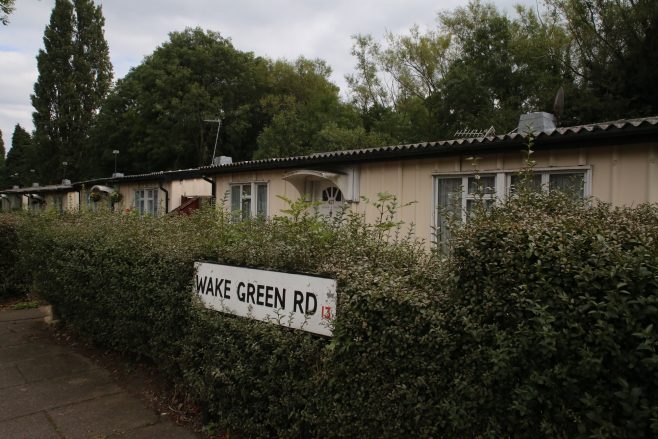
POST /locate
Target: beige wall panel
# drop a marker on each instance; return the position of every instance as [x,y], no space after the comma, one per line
[276,186]
[187,188]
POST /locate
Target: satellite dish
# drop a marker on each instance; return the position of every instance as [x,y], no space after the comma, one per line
[558,105]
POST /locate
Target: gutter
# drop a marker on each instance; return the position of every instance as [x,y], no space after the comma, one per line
[166,197]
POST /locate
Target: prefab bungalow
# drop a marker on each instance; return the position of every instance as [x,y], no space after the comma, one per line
[60,197]
[154,193]
[612,161]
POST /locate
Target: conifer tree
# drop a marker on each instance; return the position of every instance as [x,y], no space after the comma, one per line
[20,158]
[3,174]
[75,74]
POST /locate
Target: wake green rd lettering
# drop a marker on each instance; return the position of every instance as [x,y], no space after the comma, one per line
[263,295]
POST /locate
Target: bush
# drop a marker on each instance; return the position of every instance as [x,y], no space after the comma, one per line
[13,281]
[549,321]
[539,320]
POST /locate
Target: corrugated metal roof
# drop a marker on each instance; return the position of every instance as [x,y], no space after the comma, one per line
[36,189]
[611,129]
[414,149]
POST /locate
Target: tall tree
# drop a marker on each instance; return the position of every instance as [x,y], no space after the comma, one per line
[6,8]
[305,111]
[156,115]
[3,173]
[74,76]
[615,45]
[20,158]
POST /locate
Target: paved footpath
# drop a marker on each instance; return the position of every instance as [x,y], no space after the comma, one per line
[49,391]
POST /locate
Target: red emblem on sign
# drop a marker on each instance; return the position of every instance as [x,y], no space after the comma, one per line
[326,313]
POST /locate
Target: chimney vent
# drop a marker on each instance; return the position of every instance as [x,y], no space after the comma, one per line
[117,174]
[35,184]
[66,182]
[536,123]
[222,160]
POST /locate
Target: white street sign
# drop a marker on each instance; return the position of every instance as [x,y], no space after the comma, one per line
[293,300]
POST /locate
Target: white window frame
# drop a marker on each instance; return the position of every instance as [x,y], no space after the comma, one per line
[502,185]
[253,198]
[140,194]
[546,175]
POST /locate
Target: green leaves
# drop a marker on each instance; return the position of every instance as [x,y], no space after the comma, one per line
[541,318]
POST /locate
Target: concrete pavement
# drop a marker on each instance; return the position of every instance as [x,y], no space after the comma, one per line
[50,391]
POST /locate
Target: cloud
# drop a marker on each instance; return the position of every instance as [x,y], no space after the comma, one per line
[275,29]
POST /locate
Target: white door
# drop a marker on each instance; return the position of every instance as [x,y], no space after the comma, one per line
[330,197]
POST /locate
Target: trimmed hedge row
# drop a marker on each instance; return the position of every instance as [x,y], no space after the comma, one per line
[538,321]
[12,282]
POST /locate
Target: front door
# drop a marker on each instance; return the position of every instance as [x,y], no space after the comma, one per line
[330,199]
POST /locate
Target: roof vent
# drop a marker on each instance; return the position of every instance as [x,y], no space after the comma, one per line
[66,182]
[117,174]
[536,123]
[222,160]
[15,186]
[35,184]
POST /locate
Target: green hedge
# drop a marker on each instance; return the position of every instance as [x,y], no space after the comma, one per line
[13,281]
[539,320]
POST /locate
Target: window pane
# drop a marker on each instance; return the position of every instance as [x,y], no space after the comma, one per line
[484,185]
[261,200]
[449,204]
[534,183]
[471,204]
[235,198]
[573,184]
[154,210]
[139,201]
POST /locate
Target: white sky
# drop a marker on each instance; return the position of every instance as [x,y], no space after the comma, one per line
[270,28]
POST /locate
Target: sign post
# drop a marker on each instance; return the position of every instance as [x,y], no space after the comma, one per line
[293,300]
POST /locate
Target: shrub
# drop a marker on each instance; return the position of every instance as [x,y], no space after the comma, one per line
[549,321]
[538,321]
[13,280]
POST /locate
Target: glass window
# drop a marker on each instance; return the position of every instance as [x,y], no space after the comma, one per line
[261,200]
[457,196]
[535,182]
[572,183]
[243,204]
[146,201]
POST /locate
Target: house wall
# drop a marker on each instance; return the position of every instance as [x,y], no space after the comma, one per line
[622,175]
[277,186]
[175,188]
[70,200]
[127,190]
[187,188]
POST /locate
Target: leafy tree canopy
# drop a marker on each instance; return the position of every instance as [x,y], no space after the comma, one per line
[6,8]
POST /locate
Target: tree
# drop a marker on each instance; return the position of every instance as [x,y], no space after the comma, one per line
[20,158]
[301,104]
[74,76]
[502,67]
[156,114]
[614,44]
[3,173]
[478,68]
[6,8]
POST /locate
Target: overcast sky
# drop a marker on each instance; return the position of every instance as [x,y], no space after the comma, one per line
[270,28]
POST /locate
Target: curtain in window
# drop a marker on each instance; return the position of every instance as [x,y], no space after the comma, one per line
[449,204]
[261,200]
[571,184]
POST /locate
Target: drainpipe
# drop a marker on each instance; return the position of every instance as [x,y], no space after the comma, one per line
[166,197]
[214,189]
